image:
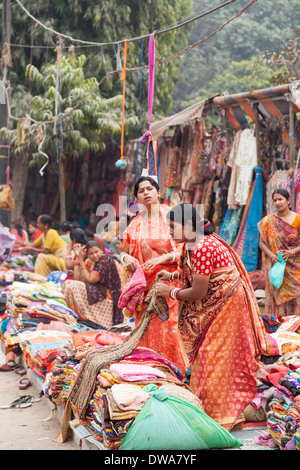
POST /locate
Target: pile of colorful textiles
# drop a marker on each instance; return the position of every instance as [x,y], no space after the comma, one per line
[286,338]
[32,304]
[40,348]
[283,418]
[279,397]
[58,381]
[20,263]
[115,420]
[119,395]
[271,323]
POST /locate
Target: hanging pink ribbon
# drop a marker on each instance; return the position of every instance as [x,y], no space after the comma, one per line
[151,76]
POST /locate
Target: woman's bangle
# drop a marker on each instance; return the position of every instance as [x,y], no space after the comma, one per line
[165,257]
[76,264]
[173,276]
[122,257]
[174,293]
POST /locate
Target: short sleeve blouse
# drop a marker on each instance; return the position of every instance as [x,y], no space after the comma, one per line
[209,254]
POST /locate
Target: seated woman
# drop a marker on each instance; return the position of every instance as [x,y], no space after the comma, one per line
[94,293]
[115,248]
[65,230]
[78,237]
[220,325]
[35,233]
[281,232]
[21,237]
[51,251]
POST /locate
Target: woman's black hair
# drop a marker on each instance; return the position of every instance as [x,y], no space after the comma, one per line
[78,235]
[46,219]
[19,229]
[33,223]
[182,213]
[66,226]
[92,243]
[283,193]
[144,178]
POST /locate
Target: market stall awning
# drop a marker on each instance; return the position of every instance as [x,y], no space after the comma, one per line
[271,102]
[188,114]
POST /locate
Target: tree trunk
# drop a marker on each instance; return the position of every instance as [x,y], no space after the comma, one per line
[19,182]
[62,194]
[5,216]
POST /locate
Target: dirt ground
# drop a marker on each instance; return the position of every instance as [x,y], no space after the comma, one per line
[21,429]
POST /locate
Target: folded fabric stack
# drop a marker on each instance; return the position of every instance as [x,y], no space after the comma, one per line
[116,421]
[33,303]
[40,348]
[58,381]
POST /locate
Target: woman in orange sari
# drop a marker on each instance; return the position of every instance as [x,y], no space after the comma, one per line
[281,232]
[221,328]
[147,241]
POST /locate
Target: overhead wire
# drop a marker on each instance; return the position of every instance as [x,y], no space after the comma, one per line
[138,38]
[168,59]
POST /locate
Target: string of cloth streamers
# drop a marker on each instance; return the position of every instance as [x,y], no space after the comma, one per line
[151,66]
[156,64]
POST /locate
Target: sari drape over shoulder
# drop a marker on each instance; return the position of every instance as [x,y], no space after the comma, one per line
[223,337]
[148,240]
[278,235]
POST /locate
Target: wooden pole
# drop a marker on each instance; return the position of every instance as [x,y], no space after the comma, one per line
[5,216]
[292,151]
[257,135]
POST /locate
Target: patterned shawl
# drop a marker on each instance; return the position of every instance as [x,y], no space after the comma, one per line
[109,279]
[278,235]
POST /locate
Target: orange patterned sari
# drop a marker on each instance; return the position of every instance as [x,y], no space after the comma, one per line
[223,336]
[279,235]
[147,241]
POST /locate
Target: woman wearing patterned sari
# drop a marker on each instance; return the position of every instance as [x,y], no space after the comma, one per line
[221,329]
[147,241]
[281,232]
[94,293]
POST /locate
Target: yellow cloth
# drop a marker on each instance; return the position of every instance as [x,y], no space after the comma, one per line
[296,223]
[45,264]
[52,241]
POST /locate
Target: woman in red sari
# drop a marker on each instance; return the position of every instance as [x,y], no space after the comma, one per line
[219,319]
[147,241]
[281,232]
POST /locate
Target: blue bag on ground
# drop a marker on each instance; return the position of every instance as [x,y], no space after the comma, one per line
[276,273]
[167,422]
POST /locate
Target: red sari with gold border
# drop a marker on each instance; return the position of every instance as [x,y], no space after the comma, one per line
[223,337]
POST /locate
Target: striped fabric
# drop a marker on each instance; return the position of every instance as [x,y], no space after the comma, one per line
[272,103]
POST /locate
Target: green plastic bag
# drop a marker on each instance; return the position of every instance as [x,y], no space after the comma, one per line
[276,273]
[167,422]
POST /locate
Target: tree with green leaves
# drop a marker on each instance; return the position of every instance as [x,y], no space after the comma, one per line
[104,22]
[284,66]
[85,121]
[265,25]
